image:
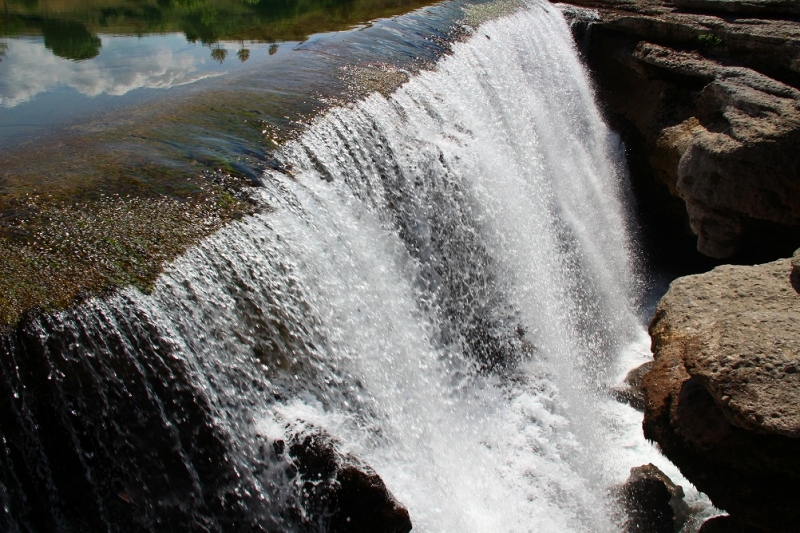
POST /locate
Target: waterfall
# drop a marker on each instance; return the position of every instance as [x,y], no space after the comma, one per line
[441,279]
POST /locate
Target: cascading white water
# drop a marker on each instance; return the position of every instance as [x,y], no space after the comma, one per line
[442,279]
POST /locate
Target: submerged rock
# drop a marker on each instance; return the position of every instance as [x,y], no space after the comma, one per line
[339,493]
[723,399]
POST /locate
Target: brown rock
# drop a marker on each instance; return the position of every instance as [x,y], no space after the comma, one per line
[710,111]
[736,156]
[652,502]
[631,391]
[723,399]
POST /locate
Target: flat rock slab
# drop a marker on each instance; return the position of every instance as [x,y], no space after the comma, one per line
[743,326]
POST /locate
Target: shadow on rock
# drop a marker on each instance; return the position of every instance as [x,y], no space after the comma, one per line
[652,502]
[339,493]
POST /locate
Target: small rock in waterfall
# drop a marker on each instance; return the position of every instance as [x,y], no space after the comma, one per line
[652,502]
[630,391]
[342,493]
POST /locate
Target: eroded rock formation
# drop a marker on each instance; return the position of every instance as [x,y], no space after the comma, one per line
[723,399]
[706,96]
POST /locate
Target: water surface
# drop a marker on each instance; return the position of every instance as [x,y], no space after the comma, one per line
[62,62]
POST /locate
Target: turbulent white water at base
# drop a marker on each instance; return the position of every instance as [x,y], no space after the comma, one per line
[442,280]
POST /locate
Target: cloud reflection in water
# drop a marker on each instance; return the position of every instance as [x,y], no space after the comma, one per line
[127,63]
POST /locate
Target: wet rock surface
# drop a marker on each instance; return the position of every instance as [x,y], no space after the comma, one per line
[652,502]
[723,399]
[630,391]
[340,493]
[705,93]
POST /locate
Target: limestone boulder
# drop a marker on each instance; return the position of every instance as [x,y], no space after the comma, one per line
[723,398]
[736,157]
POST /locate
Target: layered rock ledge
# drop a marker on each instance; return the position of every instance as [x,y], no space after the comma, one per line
[706,95]
[723,398]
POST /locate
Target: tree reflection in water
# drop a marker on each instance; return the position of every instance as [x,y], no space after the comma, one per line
[71,28]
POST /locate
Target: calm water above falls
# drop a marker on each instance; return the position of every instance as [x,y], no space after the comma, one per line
[63,62]
[442,279]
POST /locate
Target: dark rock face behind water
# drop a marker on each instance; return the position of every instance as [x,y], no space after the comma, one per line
[344,495]
[104,427]
[110,438]
[723,399]
[707,98]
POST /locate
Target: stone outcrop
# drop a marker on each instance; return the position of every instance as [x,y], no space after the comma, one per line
[723,399]
[706,97]
[631,391]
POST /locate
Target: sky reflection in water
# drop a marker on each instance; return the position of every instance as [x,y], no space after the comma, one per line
[64,60]
[127,63]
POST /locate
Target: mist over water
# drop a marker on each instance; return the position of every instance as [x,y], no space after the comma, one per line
[442,279]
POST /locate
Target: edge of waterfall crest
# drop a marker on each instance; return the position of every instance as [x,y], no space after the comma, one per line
[441,283]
